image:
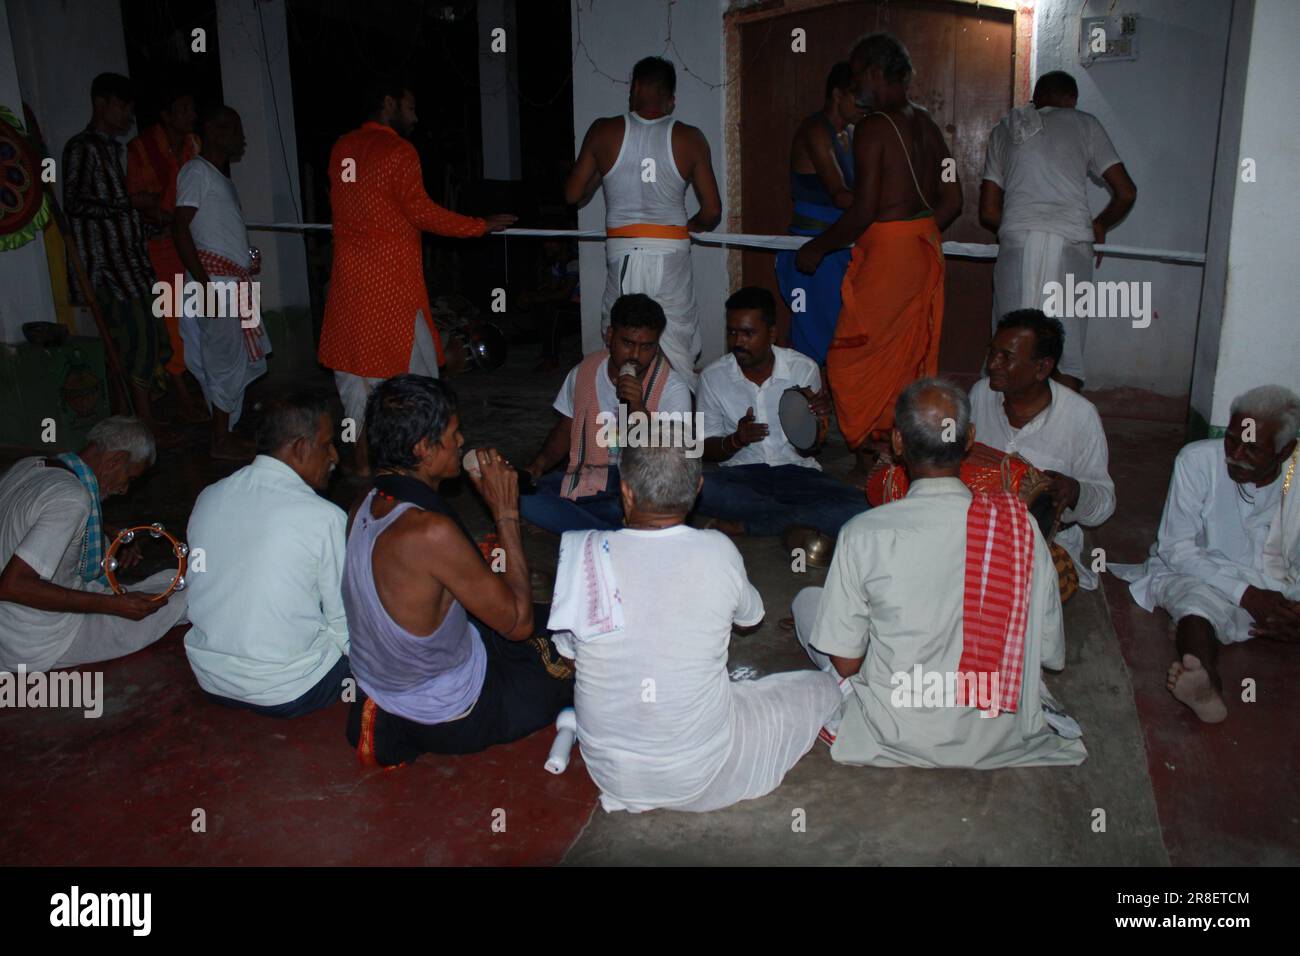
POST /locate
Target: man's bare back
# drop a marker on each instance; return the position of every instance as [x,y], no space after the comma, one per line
[881,156]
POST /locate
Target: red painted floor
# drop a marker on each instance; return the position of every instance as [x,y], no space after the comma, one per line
[122,789]
[1227,794]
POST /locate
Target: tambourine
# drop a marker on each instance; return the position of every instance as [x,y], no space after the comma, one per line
[179,548]
[802,428]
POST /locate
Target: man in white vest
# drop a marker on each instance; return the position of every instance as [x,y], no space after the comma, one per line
[644,160]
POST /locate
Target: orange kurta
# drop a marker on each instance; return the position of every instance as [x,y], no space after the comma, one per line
[377,280]
[888,331]
[151,167]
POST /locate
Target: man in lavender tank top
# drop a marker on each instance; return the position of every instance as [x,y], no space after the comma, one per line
[443,649]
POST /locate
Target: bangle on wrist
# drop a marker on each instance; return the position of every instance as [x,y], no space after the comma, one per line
[507,516]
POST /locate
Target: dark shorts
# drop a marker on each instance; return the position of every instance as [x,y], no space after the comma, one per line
[525,686]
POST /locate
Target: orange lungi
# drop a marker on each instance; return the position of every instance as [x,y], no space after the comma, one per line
[888,331]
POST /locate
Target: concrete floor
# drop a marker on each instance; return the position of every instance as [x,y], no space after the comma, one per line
[277,793]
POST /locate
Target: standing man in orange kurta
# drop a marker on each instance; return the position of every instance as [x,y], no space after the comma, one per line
[154,158]
[377,318]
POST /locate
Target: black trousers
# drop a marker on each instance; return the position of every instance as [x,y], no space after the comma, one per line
[525,686]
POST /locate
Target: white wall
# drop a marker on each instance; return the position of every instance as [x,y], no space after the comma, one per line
[498,78]
[267,176]
[24,273]
[1259,342]
[615,35]
[1162,113]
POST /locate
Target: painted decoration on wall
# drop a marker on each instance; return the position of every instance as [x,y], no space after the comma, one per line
[24,206]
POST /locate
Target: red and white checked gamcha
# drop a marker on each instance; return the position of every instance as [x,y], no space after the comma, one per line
[999,569]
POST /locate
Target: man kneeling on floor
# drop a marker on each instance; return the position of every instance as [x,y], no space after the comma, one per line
[646,613]
[269,630]
[630,373]
[765,484]
[1226,562]
[56,609]
[443,649]
[938,611]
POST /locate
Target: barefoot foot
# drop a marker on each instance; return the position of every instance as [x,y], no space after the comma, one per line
[1189,682]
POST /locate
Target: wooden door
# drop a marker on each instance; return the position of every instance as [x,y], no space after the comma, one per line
[963,62]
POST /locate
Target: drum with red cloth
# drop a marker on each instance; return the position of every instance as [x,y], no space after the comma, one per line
[986,470]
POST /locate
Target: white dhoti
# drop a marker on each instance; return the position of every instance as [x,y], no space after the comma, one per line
[1154,585]
[106,637]
[774,722]
[354,390]
[661,269]
[1027,261]
[217,354]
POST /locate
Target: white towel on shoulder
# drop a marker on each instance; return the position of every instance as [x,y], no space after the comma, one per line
[587,602]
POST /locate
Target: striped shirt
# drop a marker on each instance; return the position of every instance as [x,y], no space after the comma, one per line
[105,226]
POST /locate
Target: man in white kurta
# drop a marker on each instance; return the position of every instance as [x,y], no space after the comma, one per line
[1062,435]
[893,599]
[646,613]
[1034,195]
[1226,561]
[225,341]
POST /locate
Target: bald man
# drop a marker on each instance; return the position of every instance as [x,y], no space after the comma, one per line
[934,676]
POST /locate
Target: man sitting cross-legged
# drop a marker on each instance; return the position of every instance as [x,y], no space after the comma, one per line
[442,648]
[1021,408]
[630,371]
[1226,561]
[269,630]
[56,609]
[647,613]
[939,610]
[764,485]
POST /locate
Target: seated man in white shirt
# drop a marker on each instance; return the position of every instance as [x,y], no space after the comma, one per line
[765,484]
[1021,408]
[647,613]
[1226,561]
[631,371]
[56,609]
[940,668]
[269,633]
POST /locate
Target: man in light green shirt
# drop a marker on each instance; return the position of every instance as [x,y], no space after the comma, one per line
[269,633]
[889,622]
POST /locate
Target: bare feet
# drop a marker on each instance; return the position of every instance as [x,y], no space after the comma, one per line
[1189,682]
[230,447]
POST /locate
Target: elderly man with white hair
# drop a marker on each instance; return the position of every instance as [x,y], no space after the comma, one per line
[647,614]
[1226,561]
[56,609]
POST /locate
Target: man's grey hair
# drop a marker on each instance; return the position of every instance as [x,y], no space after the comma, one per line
[933,443]
[125,433]
[662,478]
[290,418]
[1271,403]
